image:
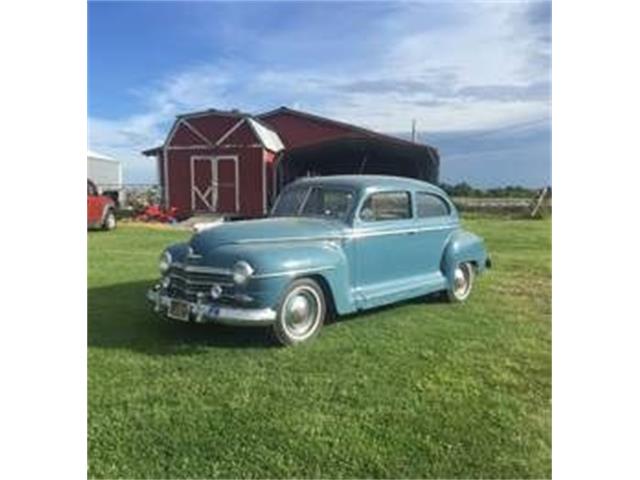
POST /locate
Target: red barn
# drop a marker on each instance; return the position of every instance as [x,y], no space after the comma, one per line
[234,163]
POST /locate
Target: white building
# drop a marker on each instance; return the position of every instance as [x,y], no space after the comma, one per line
[104,171]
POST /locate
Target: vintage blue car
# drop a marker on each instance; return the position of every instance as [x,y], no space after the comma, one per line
[332,245]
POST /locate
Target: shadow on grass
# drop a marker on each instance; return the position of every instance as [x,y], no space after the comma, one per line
[119,316]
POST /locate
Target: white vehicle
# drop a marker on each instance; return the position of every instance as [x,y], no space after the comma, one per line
[106,173]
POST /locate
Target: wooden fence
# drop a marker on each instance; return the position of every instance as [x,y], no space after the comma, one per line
[531,207]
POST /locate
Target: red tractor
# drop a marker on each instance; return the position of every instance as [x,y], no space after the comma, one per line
[156,213]
[100,209]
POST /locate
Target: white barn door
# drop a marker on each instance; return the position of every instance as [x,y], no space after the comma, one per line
[203,181]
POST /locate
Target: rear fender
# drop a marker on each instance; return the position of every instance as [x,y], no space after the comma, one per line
[463,246]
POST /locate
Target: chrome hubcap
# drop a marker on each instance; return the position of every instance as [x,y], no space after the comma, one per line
[301,311]
[462,280]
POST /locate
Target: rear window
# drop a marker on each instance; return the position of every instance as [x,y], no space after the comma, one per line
[386,206]
[429,206]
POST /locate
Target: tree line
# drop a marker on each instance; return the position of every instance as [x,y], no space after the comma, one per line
[463,189]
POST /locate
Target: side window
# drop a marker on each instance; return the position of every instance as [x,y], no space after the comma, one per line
[386,206]
[428,206]
[328,203]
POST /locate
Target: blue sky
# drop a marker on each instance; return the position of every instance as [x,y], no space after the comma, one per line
[475,76]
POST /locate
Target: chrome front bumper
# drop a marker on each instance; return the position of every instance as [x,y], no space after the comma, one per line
[207,312]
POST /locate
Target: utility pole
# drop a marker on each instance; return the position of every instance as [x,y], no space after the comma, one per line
[413,130]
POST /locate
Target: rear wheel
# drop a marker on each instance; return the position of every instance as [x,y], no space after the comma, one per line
[463,276]
[301,312]
[109,220]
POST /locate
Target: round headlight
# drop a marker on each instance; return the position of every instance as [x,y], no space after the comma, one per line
[241,272]
[165,262]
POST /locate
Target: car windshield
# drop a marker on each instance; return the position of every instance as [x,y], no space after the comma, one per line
[315,202]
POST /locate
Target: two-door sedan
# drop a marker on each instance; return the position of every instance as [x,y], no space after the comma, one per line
[332,245]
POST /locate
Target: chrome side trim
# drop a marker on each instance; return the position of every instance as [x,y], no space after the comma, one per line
[362,233]
[355,233]
[290,239]
[207,312]
[287,273]
[228,272]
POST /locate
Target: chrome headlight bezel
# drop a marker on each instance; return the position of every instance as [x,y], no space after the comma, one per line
[165,262]
[241,272]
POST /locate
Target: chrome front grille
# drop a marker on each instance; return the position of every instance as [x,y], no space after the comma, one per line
[187,284]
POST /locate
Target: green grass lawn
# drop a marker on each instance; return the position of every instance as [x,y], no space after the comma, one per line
[421,389]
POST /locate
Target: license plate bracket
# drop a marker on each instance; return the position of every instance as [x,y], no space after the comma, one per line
[179,310]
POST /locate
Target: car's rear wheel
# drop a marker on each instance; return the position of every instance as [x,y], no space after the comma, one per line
[109,220]
[301,312]
[463,277]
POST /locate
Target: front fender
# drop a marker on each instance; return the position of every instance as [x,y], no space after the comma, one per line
[276,265]
[178,251]
[464,246]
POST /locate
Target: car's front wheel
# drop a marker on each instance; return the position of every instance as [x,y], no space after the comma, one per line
[463,277]
[109,220]
[301,312]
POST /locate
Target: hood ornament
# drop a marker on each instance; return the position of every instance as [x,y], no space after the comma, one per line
[202,226]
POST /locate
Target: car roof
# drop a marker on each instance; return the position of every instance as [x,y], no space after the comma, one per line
[369,182]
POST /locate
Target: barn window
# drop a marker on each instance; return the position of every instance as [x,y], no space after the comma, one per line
[428,206]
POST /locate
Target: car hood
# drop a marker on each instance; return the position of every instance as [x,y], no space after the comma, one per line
[265,231]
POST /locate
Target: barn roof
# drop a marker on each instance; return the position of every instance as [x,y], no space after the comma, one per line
[265,134]
[214,111]
[269,137]
[354,128]
[152,151]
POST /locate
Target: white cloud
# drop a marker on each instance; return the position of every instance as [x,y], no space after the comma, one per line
[447,77]
[125,138]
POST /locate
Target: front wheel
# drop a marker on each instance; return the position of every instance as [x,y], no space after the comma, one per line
[109,221]
[463,277]
[301,312]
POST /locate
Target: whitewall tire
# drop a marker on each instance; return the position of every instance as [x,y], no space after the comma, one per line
[109,220]
[463,277]
[301,312]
